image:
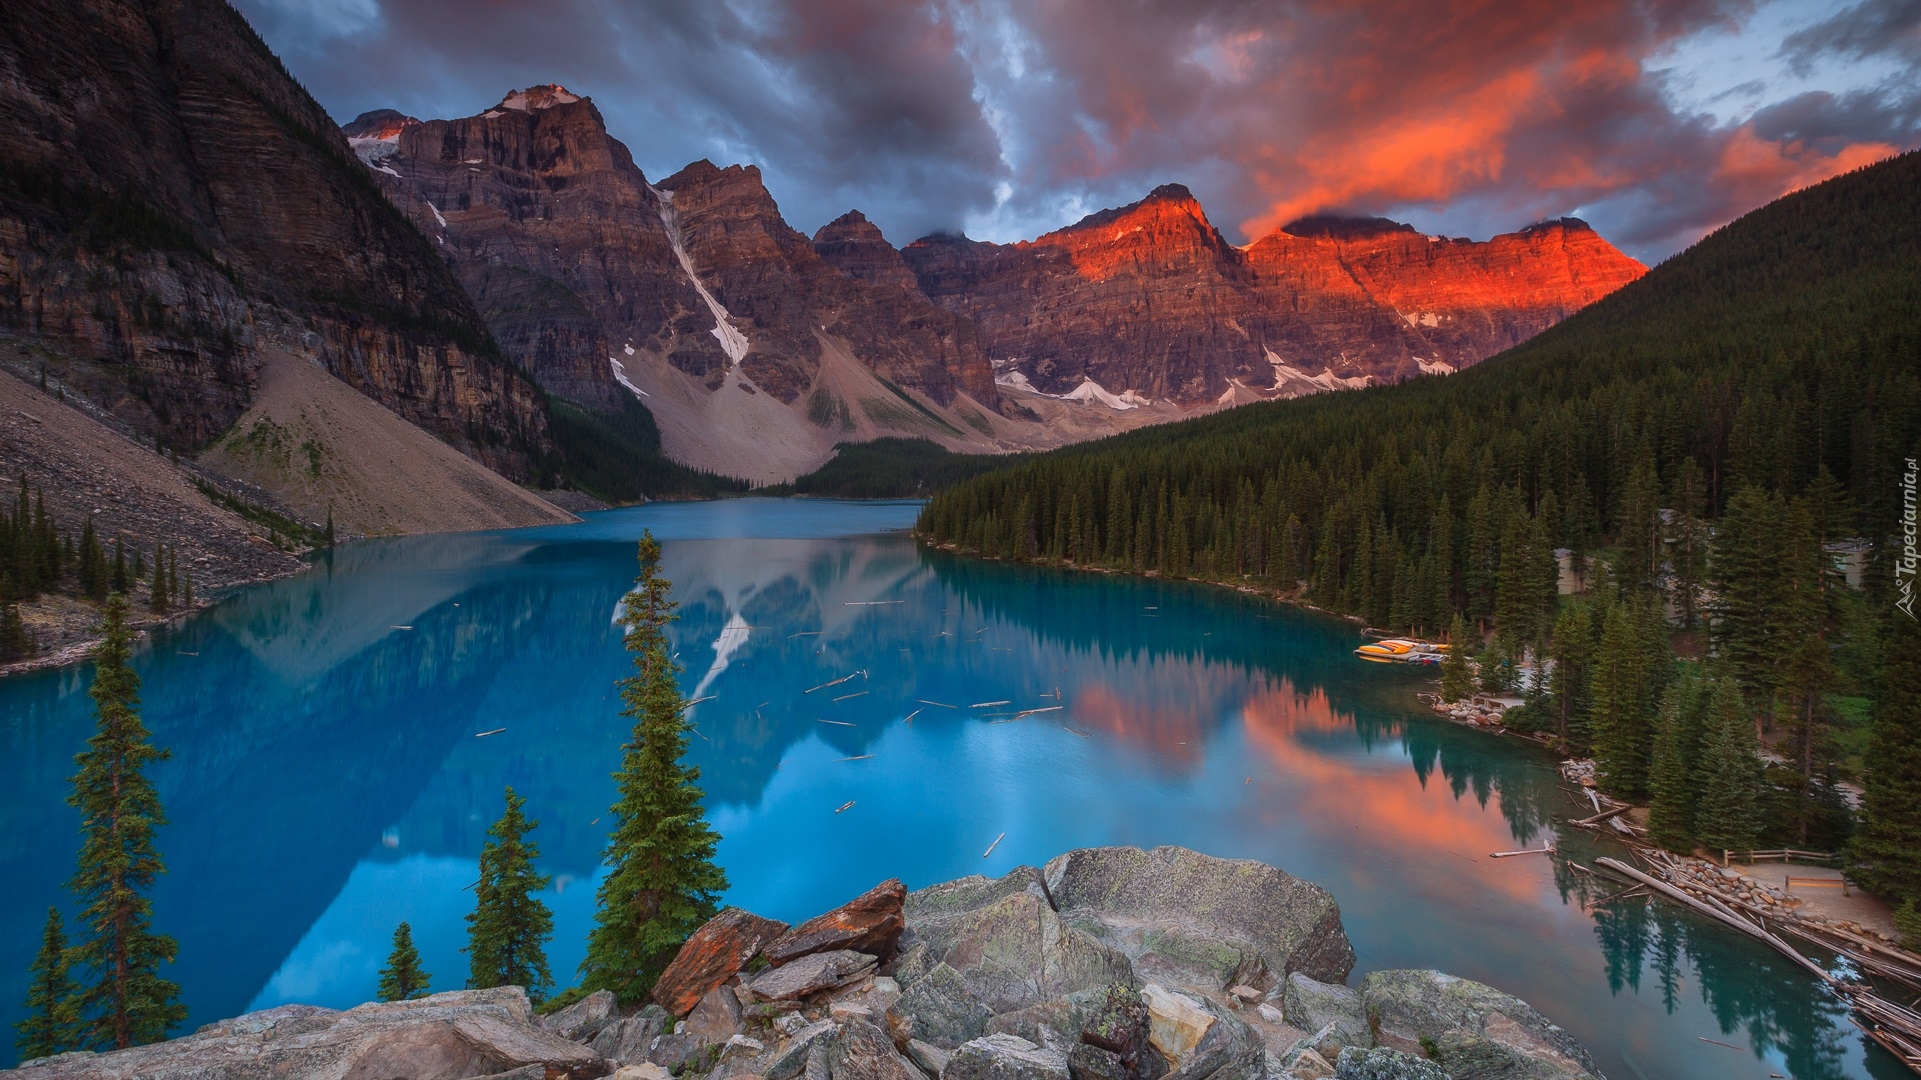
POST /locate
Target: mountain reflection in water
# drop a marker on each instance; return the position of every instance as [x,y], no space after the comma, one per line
[330,778]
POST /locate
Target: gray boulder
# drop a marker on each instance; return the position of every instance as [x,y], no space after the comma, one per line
[792,1059]
[1007,943]
[1477,1032]
[467,1033]
[1381,1063]
[1006,1057]
[931,1059]
[811,974]
[582,1020]
[863,1052]
[631,1039]
[940,1009]
[1181,913]
[717,1016]
[1311,1006]
[683,1052]
[1085,1061]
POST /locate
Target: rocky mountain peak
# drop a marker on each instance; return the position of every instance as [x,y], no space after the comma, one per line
[854,246]
[1337,227]
[536,98]
[384,124]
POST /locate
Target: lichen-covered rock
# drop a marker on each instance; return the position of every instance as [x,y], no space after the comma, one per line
[1086,1061]
[1008,945]
[1193,912]
[1312,1005]
[869,923]
[940,1009]
[1479,1032]
[582,1020]
[631,1038]
[711,956]
[1381,1063]
[792,1059]
[932,1059]
[466,1033]
[863,1052]
[1006,1057]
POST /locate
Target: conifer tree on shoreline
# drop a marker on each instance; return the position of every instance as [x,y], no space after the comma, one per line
[49,1026]
[402,979]
[1885,854]
[662,882]
[508,928]
[122,1000]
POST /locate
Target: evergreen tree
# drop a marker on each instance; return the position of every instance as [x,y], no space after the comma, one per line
[1885,852]
[49,1026]
[1689,556]
[184,584]
[1571,649]
[1622,743]
[1745,570]
[119,580]
[16,641]
[662,882]
[160,589]
[122,1000]
[1677,751]
[1457,679]
[402,979]
[508,929]
[1728,815]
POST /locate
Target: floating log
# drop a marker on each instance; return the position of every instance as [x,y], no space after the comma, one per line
[911,715]
[836,723]
[806,633]
[936,704]
[992,846]
[845,805]
[484,734]
[1031,712]
[855,694]
[1548,850]
[836,682]
[989,704]
[857,757]
[870,603]
[697,701]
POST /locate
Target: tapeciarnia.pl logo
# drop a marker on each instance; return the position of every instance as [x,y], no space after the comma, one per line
[1906,564]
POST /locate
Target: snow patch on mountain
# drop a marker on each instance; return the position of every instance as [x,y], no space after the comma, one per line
[1087,391]
[732,341]
[1290,381]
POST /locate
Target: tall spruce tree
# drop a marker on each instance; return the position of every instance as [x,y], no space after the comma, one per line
[1677,752]
[1572,650]
[508,929]
[662,882]
[1618,686]
[402,979]
[49,1026]
[1885,852]
[1727,816]
[122,1000]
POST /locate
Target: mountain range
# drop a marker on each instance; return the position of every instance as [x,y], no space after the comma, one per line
[757,349]
[179,220]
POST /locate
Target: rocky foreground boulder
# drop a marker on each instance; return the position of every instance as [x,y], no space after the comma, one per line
[1105,964]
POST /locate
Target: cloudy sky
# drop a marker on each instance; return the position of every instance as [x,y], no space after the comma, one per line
[1656,120]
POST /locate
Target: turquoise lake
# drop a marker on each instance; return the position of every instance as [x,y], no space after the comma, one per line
[340,741]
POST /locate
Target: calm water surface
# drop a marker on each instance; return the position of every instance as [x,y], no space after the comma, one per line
[330,777]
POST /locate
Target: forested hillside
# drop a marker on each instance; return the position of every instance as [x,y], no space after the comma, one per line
[1695,437]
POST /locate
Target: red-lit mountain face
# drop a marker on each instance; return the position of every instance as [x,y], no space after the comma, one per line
[1151,299]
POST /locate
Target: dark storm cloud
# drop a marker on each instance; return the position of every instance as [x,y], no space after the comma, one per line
[1016,116]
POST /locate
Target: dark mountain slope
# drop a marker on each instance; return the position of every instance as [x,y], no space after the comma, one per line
[172,203]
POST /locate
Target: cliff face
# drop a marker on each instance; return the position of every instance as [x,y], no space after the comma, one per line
[570,256]
[1150,298]
[171,202]
[552,229]
[786,289]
